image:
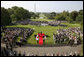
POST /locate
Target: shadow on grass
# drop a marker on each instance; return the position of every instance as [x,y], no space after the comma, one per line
[48,45]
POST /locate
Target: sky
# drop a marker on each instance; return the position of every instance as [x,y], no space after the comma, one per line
[45,6]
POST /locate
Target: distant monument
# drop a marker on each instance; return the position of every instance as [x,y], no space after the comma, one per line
[35,7]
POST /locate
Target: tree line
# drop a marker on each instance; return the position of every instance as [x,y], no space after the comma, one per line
[15,14]
[65,15]
[19,13]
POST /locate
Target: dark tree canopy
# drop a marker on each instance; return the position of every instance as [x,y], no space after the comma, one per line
[18,13]
[5,17]
[80,12]
[73,15]
[60,17]
[34,15]
[52,15]
[79,18]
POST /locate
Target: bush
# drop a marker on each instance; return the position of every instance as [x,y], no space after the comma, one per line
[5,17]
[79,18]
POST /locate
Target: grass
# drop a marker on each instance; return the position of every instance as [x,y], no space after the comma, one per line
[41,20]
[18,39]
[48,30]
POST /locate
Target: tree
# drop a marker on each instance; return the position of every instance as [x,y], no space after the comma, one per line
[63,16]
[13,17]
[37,15]
[5,17]
[52,15]
[81,24]
[79,18]
[65,13]
[47,15]
[80,12]
[22,14]
[18,13]
[60,17]
[33,15]
[73,15]
[69,19]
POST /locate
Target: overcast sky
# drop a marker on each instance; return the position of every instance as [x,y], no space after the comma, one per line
[45,6]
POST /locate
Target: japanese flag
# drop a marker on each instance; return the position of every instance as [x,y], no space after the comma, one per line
[37,37]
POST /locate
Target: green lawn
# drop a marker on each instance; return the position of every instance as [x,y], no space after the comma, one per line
[48,30]
[41,20]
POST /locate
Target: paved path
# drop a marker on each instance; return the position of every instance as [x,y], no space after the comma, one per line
[42,50]
[3,45]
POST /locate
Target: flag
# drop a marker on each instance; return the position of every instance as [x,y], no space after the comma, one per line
[37,37]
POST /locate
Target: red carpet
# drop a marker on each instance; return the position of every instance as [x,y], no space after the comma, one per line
[41,38]
[40,41]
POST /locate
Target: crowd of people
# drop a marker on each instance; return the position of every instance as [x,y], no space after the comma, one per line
[30,22]
[24,22]
[38,23]
[71,35]
[11,34]
[10,52]
[9,37]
